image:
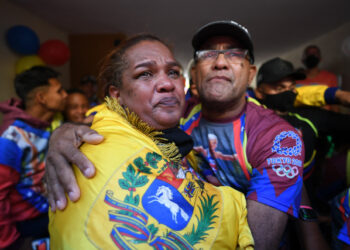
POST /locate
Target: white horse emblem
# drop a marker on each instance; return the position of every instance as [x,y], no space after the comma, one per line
[164,196]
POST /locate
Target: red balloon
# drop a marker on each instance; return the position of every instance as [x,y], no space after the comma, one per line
[54,52]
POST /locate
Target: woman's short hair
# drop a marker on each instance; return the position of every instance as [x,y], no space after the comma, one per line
[114,64]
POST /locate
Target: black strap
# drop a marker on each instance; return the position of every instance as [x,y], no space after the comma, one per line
[182,140]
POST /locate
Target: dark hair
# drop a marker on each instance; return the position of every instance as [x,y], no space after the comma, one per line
[312,47]
[115,63]
[35,77]
[75,91]
[88,79]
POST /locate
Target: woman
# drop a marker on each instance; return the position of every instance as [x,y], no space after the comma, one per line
[141,197]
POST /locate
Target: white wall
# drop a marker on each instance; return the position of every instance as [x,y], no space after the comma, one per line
[333,58]
[13,15]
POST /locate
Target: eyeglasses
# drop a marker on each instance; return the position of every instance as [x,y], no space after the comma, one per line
[233,55]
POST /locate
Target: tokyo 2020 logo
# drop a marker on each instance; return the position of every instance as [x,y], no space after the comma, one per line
[287,151]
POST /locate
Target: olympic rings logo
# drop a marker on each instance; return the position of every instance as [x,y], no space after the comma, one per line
[286,170]
[287,151]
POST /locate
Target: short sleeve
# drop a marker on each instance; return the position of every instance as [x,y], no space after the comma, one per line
[313,95]
[277,160]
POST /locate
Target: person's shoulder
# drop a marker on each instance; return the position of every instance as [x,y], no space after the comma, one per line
[260,117]
[191,105]
[233,201]
[192,113]
[121,130]
[329,77]
[5,126]
[326,73]
[264,126]
[94,110]
[22,130]
[14,115]
[11,152]
[111,121]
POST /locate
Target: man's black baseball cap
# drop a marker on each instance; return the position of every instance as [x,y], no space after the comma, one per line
[224,28]
[277,69]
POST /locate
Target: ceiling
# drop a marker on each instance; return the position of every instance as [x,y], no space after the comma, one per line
[276,25]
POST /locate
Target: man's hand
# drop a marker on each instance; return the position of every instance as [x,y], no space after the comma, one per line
[267,225]
[343,97]
[63,150]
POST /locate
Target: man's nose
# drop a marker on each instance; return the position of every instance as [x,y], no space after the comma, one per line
[221,62]
[82,110]
[64,94]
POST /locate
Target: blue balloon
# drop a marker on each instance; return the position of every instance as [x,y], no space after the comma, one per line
[22,40]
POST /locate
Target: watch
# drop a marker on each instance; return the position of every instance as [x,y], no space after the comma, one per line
[307,213]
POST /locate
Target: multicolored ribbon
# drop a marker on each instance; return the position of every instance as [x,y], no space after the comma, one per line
[135,227]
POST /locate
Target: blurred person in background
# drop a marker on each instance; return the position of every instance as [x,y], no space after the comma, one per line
[88,85]
[314,75]
[23,145]
[76,107]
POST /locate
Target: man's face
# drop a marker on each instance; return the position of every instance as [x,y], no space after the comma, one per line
[311,57]
[54,98]
[152,85]
[313,51]
[76,107]
[276,88]
[213,143]
[221,82]
[278,96]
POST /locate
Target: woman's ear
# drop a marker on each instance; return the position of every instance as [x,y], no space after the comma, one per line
[115,93]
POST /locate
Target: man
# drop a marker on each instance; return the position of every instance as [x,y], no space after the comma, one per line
[266,145]
[223,71]
[276,89]
[314,75]
[23,147]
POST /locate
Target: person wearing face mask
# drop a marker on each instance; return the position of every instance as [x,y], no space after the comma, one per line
[314,75]
[276,82]
[276,90]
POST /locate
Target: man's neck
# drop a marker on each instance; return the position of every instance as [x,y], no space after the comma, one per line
[214,113]
[40,113]
[311,73]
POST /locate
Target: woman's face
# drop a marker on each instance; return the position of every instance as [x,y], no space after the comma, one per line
[152,85]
